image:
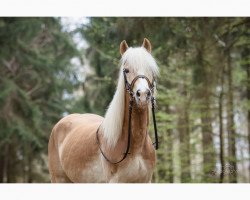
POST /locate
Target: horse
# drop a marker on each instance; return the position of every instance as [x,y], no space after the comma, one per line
[87,148]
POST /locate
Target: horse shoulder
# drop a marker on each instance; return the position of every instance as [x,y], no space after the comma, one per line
[74,140]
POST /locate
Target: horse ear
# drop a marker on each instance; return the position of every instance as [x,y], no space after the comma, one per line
[123,47]
[147,45]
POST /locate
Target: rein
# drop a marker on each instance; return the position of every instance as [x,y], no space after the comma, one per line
[129,88]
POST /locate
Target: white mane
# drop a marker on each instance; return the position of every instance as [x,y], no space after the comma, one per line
[139,61]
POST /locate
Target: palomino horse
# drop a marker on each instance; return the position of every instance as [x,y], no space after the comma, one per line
[117,148]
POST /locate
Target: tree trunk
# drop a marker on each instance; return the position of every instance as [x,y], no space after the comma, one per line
[204,95]
[184,133]
[11,163]
[5,163]
[169,153]
[230,124]
[248,112]
[1,167]
[222,161]
[29,179]
[246,57]
[207,142]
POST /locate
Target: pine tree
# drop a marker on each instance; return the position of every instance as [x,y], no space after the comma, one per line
[35,74]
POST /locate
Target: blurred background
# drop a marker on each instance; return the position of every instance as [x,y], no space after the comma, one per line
[51,67]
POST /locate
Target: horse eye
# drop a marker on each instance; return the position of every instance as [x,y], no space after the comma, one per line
[126,70]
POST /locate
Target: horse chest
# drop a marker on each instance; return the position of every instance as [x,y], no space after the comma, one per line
[136,171]
[93,173]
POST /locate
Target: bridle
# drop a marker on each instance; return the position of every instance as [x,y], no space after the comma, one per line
[129,89]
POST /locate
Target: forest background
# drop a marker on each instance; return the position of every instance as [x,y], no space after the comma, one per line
[49,69]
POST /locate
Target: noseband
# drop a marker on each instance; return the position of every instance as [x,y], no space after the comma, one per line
[129,88]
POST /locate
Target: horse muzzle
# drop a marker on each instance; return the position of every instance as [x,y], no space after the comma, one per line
[142,97]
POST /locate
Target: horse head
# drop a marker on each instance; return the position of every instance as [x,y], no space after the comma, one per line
[140,69]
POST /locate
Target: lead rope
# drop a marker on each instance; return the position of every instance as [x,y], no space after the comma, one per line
[156,143]
[129,137]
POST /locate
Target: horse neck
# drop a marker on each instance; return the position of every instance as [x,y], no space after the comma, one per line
[139,125]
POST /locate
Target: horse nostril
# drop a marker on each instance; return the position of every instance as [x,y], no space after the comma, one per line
[148,93]
[138,94]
